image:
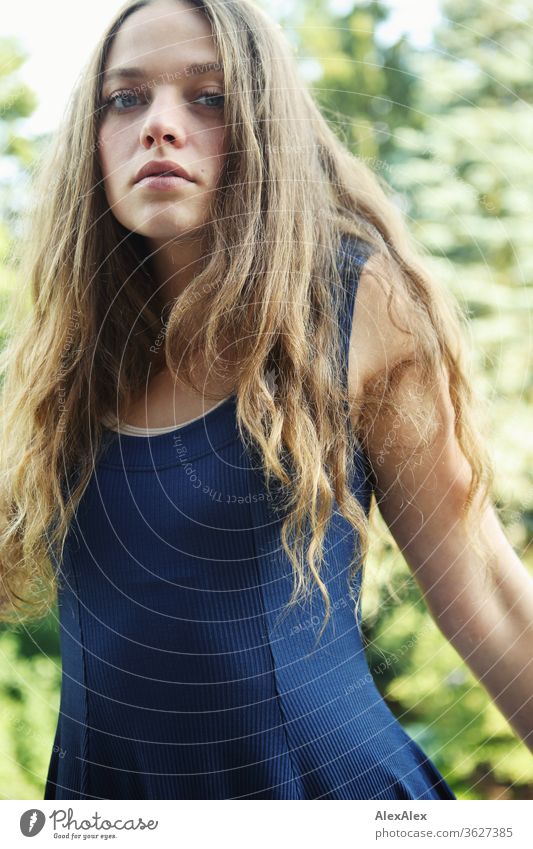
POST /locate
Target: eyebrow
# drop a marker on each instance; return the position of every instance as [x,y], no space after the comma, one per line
[140,73]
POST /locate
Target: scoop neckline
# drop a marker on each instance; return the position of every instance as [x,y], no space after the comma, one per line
[155,433]
[177,447]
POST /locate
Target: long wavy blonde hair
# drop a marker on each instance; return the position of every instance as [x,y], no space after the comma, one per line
[288,193]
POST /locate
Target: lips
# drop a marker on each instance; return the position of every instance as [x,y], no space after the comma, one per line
[162,167]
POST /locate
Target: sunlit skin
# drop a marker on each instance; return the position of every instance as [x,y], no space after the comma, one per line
[165,113]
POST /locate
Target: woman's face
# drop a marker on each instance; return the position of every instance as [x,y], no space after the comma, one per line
[162,110]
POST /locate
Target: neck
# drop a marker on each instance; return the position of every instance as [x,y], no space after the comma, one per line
[174,264]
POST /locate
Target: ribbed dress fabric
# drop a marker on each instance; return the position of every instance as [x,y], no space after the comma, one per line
[183,674]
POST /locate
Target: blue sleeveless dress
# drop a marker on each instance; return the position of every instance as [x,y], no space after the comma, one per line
[183,677]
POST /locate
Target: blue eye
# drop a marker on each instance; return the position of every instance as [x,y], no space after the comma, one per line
[212,95]
[114,98]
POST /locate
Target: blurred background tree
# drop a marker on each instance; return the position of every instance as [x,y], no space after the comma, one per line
[17,101]
[448,128]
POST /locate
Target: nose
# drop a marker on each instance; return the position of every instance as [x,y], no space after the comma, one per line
[164,121]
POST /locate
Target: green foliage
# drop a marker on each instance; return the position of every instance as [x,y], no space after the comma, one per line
[366,87]
[16,101]
[29,705]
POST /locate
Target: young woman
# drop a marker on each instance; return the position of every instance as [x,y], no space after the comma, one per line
[196,418]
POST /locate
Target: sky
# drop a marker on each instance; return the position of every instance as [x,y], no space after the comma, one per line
[58,35]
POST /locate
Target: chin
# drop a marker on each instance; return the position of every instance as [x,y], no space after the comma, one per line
[161,228]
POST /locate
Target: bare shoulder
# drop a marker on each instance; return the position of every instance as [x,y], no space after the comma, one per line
[380,336]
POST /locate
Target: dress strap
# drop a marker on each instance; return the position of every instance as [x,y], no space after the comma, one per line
[353,255]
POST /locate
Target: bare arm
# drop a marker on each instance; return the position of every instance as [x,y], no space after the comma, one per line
[420,492]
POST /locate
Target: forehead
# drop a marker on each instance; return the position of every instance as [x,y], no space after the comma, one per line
[163,33]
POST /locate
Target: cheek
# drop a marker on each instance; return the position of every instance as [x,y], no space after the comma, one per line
[103,154]
[212,139]
[108,157]
[106,170]
[223,141]
[218,150]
